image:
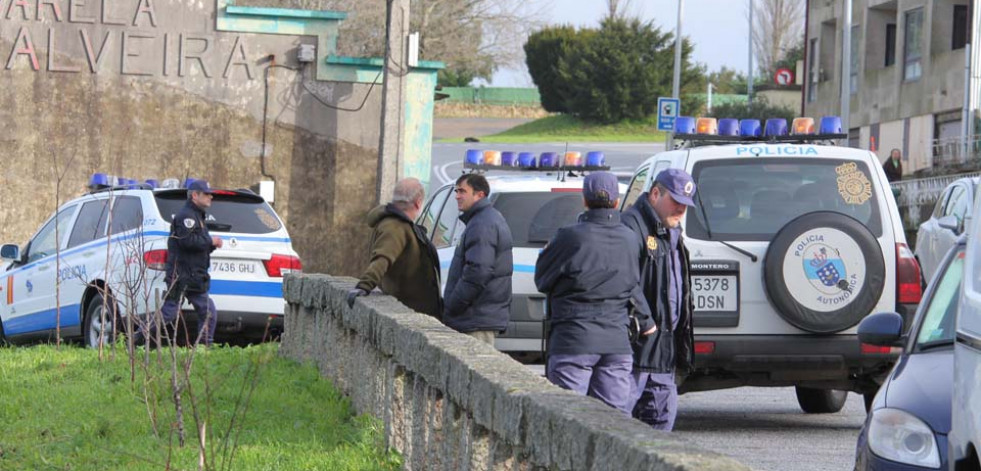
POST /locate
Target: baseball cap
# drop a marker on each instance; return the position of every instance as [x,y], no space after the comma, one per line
[679,183]
[600,186]
[200,185]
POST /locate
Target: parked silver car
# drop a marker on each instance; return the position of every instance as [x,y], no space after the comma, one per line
[939,233]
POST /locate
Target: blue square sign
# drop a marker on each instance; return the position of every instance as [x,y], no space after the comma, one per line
[667,110]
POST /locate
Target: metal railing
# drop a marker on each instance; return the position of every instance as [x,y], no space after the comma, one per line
[951,152]
[916,198]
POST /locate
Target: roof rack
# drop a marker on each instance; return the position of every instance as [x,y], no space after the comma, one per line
[560,168]
[696,140]
[135,186]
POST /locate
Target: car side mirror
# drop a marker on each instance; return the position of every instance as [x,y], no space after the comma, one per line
[10,252]
[949,222]
[883,329]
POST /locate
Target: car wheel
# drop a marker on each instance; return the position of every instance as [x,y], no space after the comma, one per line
[821,401]
[824,272]
[99,323]
[3,337]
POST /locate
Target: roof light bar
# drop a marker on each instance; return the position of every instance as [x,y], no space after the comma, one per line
[706,126]
[802,126]
[684,125]
[750,127]
[775,127]
[595,159]
[547,161]
[728,127]
[527,160]
[572,159]
[509,159]
[492,157]
[830,125]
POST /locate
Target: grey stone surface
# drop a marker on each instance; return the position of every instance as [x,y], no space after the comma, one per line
[450,402]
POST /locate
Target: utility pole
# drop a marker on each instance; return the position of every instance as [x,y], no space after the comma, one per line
[846,66]
[390,158]
[749,68]
[676,86]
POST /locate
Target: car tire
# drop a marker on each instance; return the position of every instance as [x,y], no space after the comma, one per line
[821,401]
[3,336]
[824,272]
[96,322]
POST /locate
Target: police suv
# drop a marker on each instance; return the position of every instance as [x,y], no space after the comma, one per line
[536,203]
[793,241]
[105,252]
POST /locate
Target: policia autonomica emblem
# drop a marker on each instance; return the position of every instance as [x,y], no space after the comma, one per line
[651,243]
[853,186]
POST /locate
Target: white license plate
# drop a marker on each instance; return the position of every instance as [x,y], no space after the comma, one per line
[242,267]
[716,293]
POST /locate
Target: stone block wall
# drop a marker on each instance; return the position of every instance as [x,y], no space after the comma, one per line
[450,402]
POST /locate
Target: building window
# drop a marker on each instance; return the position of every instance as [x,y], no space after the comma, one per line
[812,70]
[853,63]
[959,35]
[890,44]
[912,46]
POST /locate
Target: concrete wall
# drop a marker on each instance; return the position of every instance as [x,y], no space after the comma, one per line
[450,402]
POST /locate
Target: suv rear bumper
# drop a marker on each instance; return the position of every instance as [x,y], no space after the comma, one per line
[817,361]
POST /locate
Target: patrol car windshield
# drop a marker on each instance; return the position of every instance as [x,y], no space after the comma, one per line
[239,213]
[752,199]
[534,217]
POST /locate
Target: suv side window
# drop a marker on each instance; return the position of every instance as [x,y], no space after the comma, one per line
[938,210]
[635,189]
[91,223]
[127,214]
[448,217]
[45,243]
[431,213]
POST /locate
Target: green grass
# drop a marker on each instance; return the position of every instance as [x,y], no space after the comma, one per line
[565,128]
[66,410]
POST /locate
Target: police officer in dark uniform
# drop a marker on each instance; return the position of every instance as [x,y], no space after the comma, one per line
[666,280]
[592,282]
[189,250]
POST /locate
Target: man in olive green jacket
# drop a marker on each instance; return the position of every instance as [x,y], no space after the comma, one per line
[404,262]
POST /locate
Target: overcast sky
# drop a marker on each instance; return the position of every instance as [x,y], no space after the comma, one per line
[718,28]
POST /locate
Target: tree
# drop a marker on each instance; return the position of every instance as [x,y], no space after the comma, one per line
[777,29]
[618,9]
[543,50]
[760,109]
[727,81]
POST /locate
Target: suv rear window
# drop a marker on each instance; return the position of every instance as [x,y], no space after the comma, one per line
[752,199]
[534,217]
[235,212]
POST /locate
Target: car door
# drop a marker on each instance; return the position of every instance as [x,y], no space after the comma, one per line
[944,238]
[31,283]
[926,234]
[84,260]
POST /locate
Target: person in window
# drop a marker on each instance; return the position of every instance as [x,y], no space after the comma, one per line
[666,281]
[592,282]
[894,166]
[403,262]
[189,250]
[478,285]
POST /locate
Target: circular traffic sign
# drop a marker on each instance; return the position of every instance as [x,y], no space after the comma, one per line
[783,77]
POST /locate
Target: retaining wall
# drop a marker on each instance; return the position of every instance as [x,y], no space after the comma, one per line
[450,402]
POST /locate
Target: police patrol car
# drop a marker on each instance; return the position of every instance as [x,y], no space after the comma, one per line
[108,248]
[792,243]
[546,196]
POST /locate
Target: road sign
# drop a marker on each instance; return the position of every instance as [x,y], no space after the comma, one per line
[783,77]
[667,111]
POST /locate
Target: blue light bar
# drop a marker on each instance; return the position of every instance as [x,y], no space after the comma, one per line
[474,157]
[684,125]
[153,183]
[750,127]
[527,160]
[728,127]
[830,125]
[509,159]
[776,127]
[98,179]
[548,159]
[595,159]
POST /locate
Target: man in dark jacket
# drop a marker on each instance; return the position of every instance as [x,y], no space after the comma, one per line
[666,280]
[592,281]
[189,250]
[403,262]
[478,285]
[893,166]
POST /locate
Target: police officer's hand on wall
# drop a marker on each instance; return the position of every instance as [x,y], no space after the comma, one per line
[353,294]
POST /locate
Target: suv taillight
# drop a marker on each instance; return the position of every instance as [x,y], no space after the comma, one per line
[280,265]
[908,289]
[155,259]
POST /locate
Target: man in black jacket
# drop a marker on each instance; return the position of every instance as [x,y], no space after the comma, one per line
[477,299]
[189,250]
[666,281]
[591,281]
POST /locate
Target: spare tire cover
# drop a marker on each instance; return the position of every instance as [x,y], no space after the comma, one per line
[824,272]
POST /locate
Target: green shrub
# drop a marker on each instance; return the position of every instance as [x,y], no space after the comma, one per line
[542,53]
[760,109]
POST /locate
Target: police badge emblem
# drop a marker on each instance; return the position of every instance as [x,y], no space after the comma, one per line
[651,243]
[853,186]
[189,223]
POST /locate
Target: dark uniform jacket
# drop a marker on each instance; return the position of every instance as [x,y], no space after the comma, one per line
[894,172]
[403,262]
[189,250]
[666,350]
[591,279]
[478,285]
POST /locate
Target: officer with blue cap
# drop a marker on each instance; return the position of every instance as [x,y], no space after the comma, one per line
[666,280]
[592,282]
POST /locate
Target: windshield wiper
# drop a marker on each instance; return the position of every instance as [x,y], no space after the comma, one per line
[934,344]
[708,230]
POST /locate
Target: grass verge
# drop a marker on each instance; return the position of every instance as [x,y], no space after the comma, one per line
[67,410]
[565,128]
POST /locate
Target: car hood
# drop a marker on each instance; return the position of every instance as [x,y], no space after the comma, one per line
[922,384]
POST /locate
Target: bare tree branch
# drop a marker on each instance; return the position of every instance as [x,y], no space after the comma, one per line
[778,26]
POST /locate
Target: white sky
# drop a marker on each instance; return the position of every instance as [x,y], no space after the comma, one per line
[718,28]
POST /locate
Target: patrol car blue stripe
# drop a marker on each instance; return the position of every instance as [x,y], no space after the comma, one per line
[265,289]
[44,320]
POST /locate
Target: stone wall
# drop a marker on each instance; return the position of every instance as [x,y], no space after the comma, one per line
[450,402]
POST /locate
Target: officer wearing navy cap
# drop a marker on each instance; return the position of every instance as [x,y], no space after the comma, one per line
[189,250]
[591,282]
[666,282]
